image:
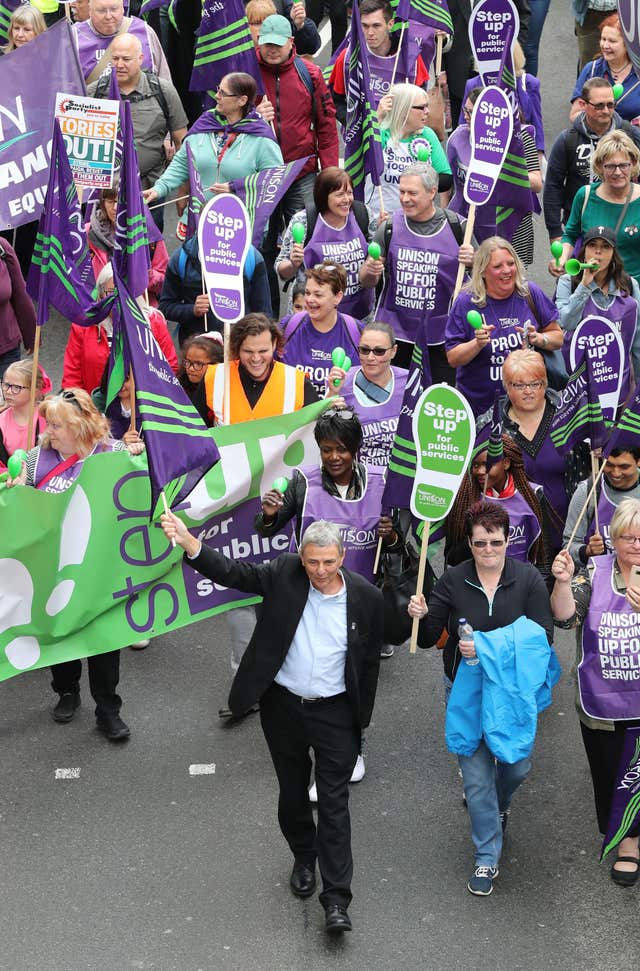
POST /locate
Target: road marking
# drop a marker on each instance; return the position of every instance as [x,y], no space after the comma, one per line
[202,769]
[325,33]
[67,773]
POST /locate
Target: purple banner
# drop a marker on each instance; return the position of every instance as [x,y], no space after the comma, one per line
[600,339]
[625,803]
[489,25]
[491,130]
[629,15]
[224,240]
[262,191]
[233,534]
[27,115]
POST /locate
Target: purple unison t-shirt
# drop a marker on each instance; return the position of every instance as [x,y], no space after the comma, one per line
[479,380]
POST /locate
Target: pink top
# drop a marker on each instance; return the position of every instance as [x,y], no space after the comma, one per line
[14,435]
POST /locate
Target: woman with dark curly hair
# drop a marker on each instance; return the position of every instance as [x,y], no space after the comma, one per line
[505,483]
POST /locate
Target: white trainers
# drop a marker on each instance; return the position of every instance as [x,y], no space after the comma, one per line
[358,770]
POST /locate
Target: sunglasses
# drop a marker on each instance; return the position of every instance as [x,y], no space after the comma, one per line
[364,351]
[481,544]
[70,396]
[345,413]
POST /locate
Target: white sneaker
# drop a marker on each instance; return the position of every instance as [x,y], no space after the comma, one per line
[358,770]
[313,793]
[140,645]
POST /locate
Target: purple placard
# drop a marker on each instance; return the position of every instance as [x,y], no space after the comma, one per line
[629,15]
[602,342]
[232,533]
[488,28]
[491,130]
[224,238]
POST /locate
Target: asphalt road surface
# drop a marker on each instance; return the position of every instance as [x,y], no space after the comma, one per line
[164,852]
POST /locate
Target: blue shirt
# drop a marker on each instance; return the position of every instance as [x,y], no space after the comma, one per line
[314,665]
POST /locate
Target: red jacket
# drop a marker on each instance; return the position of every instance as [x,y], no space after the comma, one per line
[87,352]
[159,262]
[293,122]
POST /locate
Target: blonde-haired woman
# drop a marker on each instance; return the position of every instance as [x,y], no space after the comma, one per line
[26,22]
[406,138]
[75,429]
[512,310]
[14,417]
[614,202]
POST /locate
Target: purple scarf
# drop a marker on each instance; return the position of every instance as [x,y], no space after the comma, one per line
[251,124]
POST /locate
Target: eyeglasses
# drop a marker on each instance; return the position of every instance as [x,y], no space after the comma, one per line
[364,351]
[481,544]
[345,413]
[612,166]
[631,540]
[224,94]
[13,388]
[424,107]
[602,105]
[193,365]
[526,385]
[467,112]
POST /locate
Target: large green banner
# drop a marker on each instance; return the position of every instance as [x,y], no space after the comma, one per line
[85,571]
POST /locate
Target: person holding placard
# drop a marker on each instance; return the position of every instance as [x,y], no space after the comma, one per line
[489,591]
[612,202]
[510,308]
[602,288]
[421,247]
[603,603]
[311,337]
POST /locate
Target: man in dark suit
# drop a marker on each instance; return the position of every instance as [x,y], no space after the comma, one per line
[312,663]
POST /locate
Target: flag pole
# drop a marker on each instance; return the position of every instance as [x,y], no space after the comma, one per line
[376,562]
[584,508]
[32,390]
[439,40]
[468,233]
[594,472]
[422,566]
[227,374]
[168,202]
[166,510]
[132,420]
[397,57]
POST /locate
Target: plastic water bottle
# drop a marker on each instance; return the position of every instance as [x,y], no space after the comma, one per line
[465,633]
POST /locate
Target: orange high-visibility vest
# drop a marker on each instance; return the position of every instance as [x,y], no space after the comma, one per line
[283,393]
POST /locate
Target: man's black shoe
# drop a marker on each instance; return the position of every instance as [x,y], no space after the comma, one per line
[113,726]
[337,920]
[303,879]
[66,707]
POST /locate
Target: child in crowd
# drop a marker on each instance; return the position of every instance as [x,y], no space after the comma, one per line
[16,390]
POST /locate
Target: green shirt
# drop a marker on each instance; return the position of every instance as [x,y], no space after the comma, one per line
[599,212]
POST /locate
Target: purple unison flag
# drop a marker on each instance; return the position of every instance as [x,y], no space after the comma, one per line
[433,13]
[402,461]
[362,144]
[196,195]
[30,78]
[61,273]
[630,22]
[180,448]
[7,7]
[626,431]
[579,414]
[223,44]
[148,5]
[495,445]
[131,249]
[415,39]
[262,191]
[625,802]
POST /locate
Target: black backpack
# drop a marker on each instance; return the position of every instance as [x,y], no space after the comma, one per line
[102,90]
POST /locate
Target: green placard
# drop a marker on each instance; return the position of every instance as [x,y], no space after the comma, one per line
[444,431]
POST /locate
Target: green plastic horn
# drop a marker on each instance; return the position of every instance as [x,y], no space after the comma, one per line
[474,318]
[298,232]
[374,251]
[280,484]
[556,251]
[14,465]
[573,267]
[338,355]
[618,91]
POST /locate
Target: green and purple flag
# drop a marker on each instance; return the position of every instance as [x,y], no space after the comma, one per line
[7,8]
[432,13]
[262,191]
[131,247]
[579,414]
[625,801]
[178,443]
[495,445]
[223,44]
[61,274]
[196,195]
[626,431]
[362,144]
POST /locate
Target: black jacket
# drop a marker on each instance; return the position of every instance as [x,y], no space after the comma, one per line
[458,593]
[284,585]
